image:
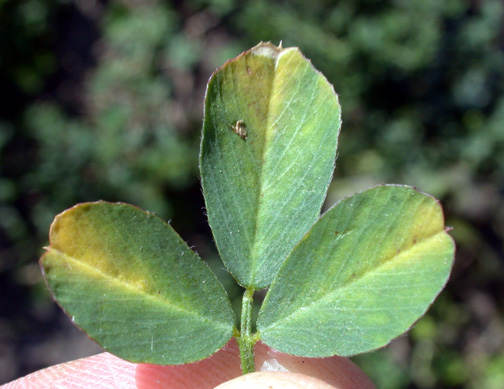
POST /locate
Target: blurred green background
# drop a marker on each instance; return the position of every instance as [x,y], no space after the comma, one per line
[103,100]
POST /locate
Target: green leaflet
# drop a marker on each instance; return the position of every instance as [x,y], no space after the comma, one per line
[127,279]
[267,156]
[365,272]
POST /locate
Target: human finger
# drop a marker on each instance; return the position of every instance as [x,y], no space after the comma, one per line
[108,371]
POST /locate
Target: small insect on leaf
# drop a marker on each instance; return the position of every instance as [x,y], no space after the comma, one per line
[240,129]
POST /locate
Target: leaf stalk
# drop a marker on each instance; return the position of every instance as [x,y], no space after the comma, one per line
[246,340]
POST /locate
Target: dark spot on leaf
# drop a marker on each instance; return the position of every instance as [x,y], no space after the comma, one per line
[336,232]
[240,129]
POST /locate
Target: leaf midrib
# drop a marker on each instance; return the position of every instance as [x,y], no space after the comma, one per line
[352,280]
[268,135]
[156,297]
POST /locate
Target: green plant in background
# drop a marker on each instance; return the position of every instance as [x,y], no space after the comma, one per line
[344,283]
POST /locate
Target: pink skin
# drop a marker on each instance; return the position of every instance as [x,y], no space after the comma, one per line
[275,370]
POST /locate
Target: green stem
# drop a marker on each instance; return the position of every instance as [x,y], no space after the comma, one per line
[247,340]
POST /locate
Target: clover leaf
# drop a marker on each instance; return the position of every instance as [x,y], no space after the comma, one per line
[343,283]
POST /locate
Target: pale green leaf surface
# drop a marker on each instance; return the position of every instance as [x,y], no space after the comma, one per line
[132,284]
[365,272]
[264,189]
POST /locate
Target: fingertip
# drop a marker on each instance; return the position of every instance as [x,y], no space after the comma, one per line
[275,379]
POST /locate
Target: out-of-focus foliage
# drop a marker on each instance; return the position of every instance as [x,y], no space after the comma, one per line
[104,100]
